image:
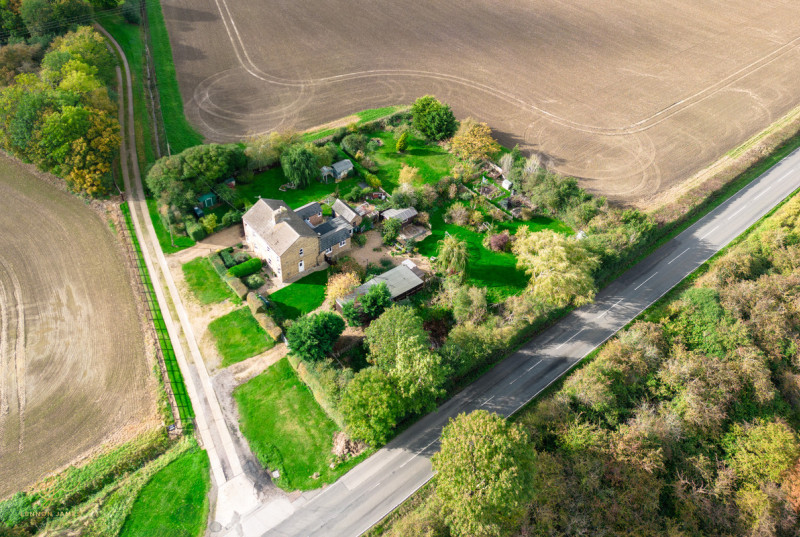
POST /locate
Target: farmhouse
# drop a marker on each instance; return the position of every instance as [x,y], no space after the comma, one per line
[338,171]
[404,280]
[288,241]
[404,215]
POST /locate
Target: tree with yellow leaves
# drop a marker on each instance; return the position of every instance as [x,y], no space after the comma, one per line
[473,141]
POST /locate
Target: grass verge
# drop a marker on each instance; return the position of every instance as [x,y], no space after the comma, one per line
[204,282]
[175,500]
[364,116]
[287,430]
[238,336]
[177,385]
[301,297]
[169,244]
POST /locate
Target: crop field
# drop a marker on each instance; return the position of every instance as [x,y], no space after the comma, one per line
[73,368]
[630,97]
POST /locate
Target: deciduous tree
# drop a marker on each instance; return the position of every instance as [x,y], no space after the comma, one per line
[474,141]
[312,337]
[371,406]
[299,165]
[342,284]
[384,334]
[453,255]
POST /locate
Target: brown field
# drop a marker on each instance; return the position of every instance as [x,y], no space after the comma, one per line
[73,368]
[631,96]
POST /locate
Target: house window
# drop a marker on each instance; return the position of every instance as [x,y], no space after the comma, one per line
[301,251]
[341,244]
[329,250]
[300,266]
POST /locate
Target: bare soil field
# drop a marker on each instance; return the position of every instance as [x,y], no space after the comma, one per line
[73,369]
[630,96]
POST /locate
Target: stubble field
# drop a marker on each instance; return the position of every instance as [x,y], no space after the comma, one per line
[73,369]
[630,96]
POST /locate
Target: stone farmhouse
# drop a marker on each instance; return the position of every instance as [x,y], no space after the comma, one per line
[293,242]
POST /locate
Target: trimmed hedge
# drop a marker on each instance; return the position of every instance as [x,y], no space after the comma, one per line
[227,258]
[247,268]
[238,287]
[195,231]
[254,281]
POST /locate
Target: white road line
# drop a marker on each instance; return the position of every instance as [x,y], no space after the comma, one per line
[644,282]
[737,212]
[614,304]
[489,399]
[537,363]
[570,339]
[677,256]
[709,233]
[762,193]
[429,445]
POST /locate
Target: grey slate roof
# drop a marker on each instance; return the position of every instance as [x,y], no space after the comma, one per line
[344,210]
[342,166]
[308,210]
[333,232]
[281,235]
[400,214]
[400,280]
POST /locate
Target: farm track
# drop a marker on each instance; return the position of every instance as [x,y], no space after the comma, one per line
[630,97]
[73,368]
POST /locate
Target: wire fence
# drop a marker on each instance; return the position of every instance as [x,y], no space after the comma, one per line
[174,386]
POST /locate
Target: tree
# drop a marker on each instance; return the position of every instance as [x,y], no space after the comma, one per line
[560,267]
[408,175]
[391,229]
[469,304]
[433,119]
[383,337]
[370,406]
[484,474]
[209,223]
[342,284]
[15,59]
[453,255]
[88,46]
[375,301]
[312,337]
[48,17]
[402,142]
[474,141]
[299,165]
[762,452]
[419,374]
[351,313]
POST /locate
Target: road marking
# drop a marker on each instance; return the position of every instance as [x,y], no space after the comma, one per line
[737,212]
[613,305]
[534,365]
[570,339]
[677,256]
[429,445]
[526,371]
[762,193]
[489,399]
[644,282]
[709,233]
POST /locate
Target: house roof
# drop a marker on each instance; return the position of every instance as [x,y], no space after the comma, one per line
[332,232]
[308,210]
[344,210]
[400,214]
[342,166]
[280,234]
[399,280]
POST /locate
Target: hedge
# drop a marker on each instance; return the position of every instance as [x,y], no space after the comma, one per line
[227,258]
[247,268]
[195,231]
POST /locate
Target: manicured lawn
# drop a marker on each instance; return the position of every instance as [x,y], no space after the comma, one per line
[174,502]
[287,430]
[164,239]
[496,271]
[302,296]
[204,282]
[239,336]
[432,161]
[267,184]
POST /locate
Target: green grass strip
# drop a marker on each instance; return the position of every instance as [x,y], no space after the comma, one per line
[204,282]
[238,336]
[182,400]
[301,297]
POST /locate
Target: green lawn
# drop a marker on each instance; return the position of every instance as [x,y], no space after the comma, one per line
[496,271]
[302,296]
[204,282]
[287,430]
[266,184]
[174,503]
[364,116]
[239,336]
[432,161]
[164,239]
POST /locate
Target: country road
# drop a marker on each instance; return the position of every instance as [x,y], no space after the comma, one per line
[374,488]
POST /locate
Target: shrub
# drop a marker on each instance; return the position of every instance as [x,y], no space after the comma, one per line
[312,337]
[353,195]
[391,229]
[372,180]
[227,258]
[500,242]
[241,257]
[231,217]
[130,12]
[247,268]
[402,142]
[339,134]
[195,231]
[360,239]
[408,175]
[254,281]
[354,143]
[342,284]
[458,214]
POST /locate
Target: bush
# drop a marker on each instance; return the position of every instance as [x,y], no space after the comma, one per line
[359,239]
[247,268]
[195,231]
[500,242]
[130,12]
[391,229]
[354,143]
[312,337]
[402,143]
[227,258]
[241,257]
[339,134]
[353,195]
[254,281]
[231,217]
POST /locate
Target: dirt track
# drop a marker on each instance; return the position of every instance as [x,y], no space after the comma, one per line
[632,96]
[73,370]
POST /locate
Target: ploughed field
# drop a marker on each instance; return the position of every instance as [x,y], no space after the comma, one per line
[631,96]
[73,369]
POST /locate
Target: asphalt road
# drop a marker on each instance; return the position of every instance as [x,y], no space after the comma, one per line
[374,488]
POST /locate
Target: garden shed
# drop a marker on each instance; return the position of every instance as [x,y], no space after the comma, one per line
[402,281]
[208,200]
[404,215]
